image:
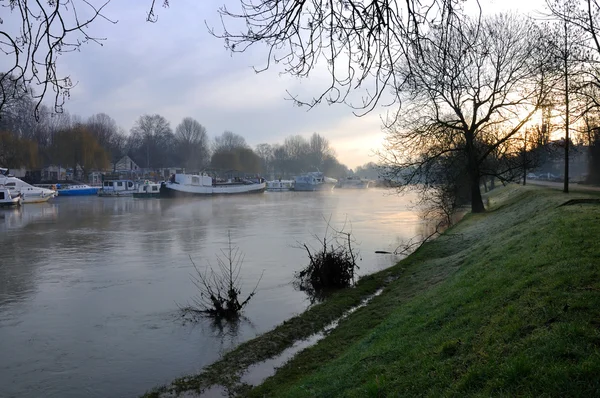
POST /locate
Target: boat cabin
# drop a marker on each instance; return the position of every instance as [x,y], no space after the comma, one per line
[118,185]
[191,179]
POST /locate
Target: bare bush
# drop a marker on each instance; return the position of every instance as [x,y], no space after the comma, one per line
[331,266]
[220,291]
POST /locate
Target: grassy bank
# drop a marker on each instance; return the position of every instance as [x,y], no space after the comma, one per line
[508,304]
[504,303]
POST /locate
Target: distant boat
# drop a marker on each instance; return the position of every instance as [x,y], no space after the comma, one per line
[203,185]
[117,188]
[354,183]
[29,193]
[9,198]
[314,181]
[280,185]
[76,190]
[147,190]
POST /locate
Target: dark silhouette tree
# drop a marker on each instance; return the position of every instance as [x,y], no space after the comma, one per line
[462,81]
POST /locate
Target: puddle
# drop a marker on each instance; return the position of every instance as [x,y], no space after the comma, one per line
[257,373]
[212,392]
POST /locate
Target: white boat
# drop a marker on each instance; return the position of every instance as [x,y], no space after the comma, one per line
[354,183]
[147,190]
[203,185]
[117,188]
[280,185]
[29,193]
[8,198]
[314,181]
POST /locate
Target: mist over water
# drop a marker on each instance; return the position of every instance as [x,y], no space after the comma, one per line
[90,287]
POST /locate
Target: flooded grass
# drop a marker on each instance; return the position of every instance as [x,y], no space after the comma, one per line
[504,303]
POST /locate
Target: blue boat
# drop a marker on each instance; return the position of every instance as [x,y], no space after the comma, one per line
[76,190]
[314,181]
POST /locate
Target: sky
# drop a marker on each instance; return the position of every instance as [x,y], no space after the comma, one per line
[175,68]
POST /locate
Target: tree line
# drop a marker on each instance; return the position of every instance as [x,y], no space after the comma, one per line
[472,98]
[97,142]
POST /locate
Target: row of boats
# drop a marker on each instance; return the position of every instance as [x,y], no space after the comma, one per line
[14,191]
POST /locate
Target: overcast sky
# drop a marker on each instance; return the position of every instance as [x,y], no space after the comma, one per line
[175,68]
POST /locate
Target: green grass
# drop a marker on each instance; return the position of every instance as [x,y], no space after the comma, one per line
[506,303]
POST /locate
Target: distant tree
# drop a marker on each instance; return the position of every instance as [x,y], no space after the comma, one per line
[265,153]
[297,150]
[192,143]
[229,141]
[225,160]
[79,147]
[152,140]
[108,134]
[17,152]
[368,170]
[333,168]
[319,151]
[240,159]
[250,162]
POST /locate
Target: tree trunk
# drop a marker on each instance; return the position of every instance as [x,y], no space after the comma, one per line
[476,199]
[474,177]
[566,65]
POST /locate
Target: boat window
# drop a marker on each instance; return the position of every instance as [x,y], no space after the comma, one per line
[10,184]
[130,184]
[155,188]
[1,195]
[119,183]
[195,180]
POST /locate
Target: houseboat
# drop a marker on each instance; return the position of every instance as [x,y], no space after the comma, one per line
[354,183]
[204,185]
[8,198]
[28,193]
[280,185]
[147,190]
[314,181]
[117,188]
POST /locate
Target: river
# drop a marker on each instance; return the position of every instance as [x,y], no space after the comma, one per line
[90,287]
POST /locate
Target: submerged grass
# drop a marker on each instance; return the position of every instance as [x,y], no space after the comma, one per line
[504,303]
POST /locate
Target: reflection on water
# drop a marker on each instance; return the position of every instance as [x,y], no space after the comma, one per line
[89,286]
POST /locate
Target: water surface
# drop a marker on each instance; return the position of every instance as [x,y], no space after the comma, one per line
[90,287]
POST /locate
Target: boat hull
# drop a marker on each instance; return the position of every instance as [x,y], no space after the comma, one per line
[171,190]
[78,192]
[114,194]
[313,187]
[146,195]
[35,198]
[279,189]
[10,202]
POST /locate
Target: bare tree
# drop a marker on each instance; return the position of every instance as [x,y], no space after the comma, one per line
[359,41]
[192,140]
[229,141]
[319,150]
[463,80]
[41,32]
[154,136]
[265,152]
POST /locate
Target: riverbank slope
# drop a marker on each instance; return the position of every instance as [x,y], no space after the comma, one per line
[504,303]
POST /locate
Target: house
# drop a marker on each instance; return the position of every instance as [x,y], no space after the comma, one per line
[125,165]
[54,173]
